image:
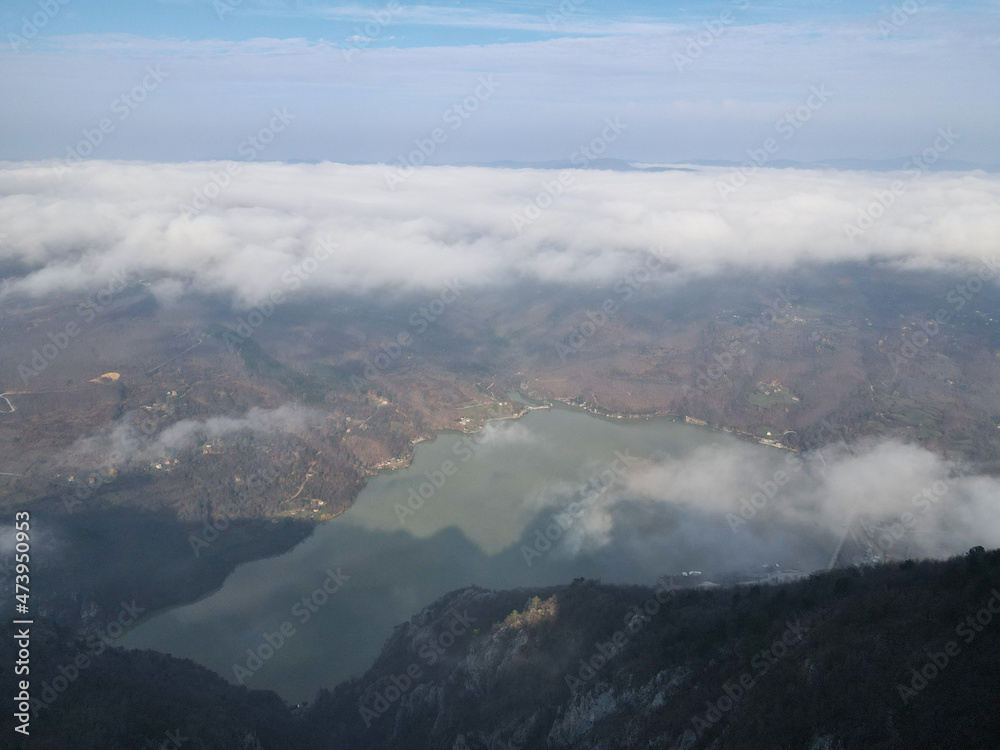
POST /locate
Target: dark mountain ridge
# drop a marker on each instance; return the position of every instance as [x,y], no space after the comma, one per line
[902,655]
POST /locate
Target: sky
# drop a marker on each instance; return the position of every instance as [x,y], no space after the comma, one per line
[180,80]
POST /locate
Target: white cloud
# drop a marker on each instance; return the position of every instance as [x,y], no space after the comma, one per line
[503,434]
[574,22]
[915,502]
[127,441]
[448,223]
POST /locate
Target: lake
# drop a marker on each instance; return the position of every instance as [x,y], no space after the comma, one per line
[464,512]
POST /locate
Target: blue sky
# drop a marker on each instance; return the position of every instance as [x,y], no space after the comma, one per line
[368,82]
[419,24]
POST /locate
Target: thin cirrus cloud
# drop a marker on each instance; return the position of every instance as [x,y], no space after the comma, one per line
[555,23]
[74,230]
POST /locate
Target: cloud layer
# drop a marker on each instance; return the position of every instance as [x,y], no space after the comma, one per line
[897,500]
[265,230]
[729,507]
